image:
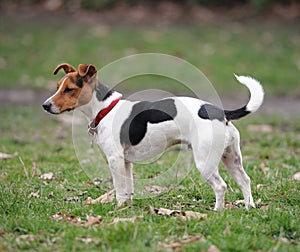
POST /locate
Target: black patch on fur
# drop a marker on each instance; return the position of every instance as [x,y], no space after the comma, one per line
[134,127]
[236,114]
[103,92]
[79,81]
[211,112]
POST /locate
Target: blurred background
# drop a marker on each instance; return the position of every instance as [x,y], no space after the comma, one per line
[260,38]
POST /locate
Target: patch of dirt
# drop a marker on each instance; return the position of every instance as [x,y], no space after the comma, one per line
[271,105]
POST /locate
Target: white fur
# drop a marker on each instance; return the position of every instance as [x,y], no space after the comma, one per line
[211,142]
[256,92]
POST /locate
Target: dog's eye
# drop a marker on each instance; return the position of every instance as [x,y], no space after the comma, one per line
[68,90]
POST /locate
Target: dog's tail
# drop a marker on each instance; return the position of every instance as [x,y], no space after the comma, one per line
[256,98]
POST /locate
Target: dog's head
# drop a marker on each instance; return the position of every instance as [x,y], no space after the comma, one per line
[74,89]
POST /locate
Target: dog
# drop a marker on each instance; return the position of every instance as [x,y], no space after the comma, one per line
[134,131]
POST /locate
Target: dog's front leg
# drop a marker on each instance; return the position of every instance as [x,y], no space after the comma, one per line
[118,172]
[129,180]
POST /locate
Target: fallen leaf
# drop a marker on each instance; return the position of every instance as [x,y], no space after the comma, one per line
[74,219]
[239,202]
[258,186]
[132,219]
[47,176]
[4,175]
[185,215]
[105,198]
[165,211]
[265,207]
[173,245]
[25,238]
[35,194]
[264,168]
[58,216]
[213,248]
[155,189]
[263,128]
[88,240]
[72,199]
[258,202]
[296,176]
[193,215]
[91,220]
[182,242]
[7,156]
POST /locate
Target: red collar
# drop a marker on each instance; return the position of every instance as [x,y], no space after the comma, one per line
[102,113]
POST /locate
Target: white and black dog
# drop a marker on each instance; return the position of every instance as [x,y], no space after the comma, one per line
[130,131]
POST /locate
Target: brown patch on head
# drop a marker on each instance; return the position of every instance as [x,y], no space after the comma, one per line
[75,88]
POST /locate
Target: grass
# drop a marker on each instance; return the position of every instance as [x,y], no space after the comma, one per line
[26,222]
[32,47]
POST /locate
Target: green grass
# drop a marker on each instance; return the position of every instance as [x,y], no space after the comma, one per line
[45,145]
[32,47]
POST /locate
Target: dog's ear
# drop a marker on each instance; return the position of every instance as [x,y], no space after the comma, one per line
[67,68]
[86,71]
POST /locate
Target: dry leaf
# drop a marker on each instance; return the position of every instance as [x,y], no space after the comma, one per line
[25,238]
[35,194]
[213,248]
[88,240]
[180,243]
[263,128]
[239,202]
[74,219]
[91,220]
[58,216]
[132,219]
[188,215]
[105,198]
[7,156]
[264,168]
[47,176]
[4,175]
[173,245]
[296,176]
[258,186]
[185,215]
[155,189]
[165,211]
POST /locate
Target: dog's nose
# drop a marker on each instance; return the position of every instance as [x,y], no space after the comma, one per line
[47,106]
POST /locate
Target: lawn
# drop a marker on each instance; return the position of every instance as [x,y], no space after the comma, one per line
[31,204]
[32,47]
[44,189]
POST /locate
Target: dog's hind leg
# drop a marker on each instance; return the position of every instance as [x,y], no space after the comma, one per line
[232,158]
[129,180]
[219,186]
[208,167]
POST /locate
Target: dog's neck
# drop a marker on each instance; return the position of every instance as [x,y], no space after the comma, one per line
[102,98]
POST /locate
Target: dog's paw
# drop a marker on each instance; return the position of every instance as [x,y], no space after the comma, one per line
[124,202]
[249,204]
